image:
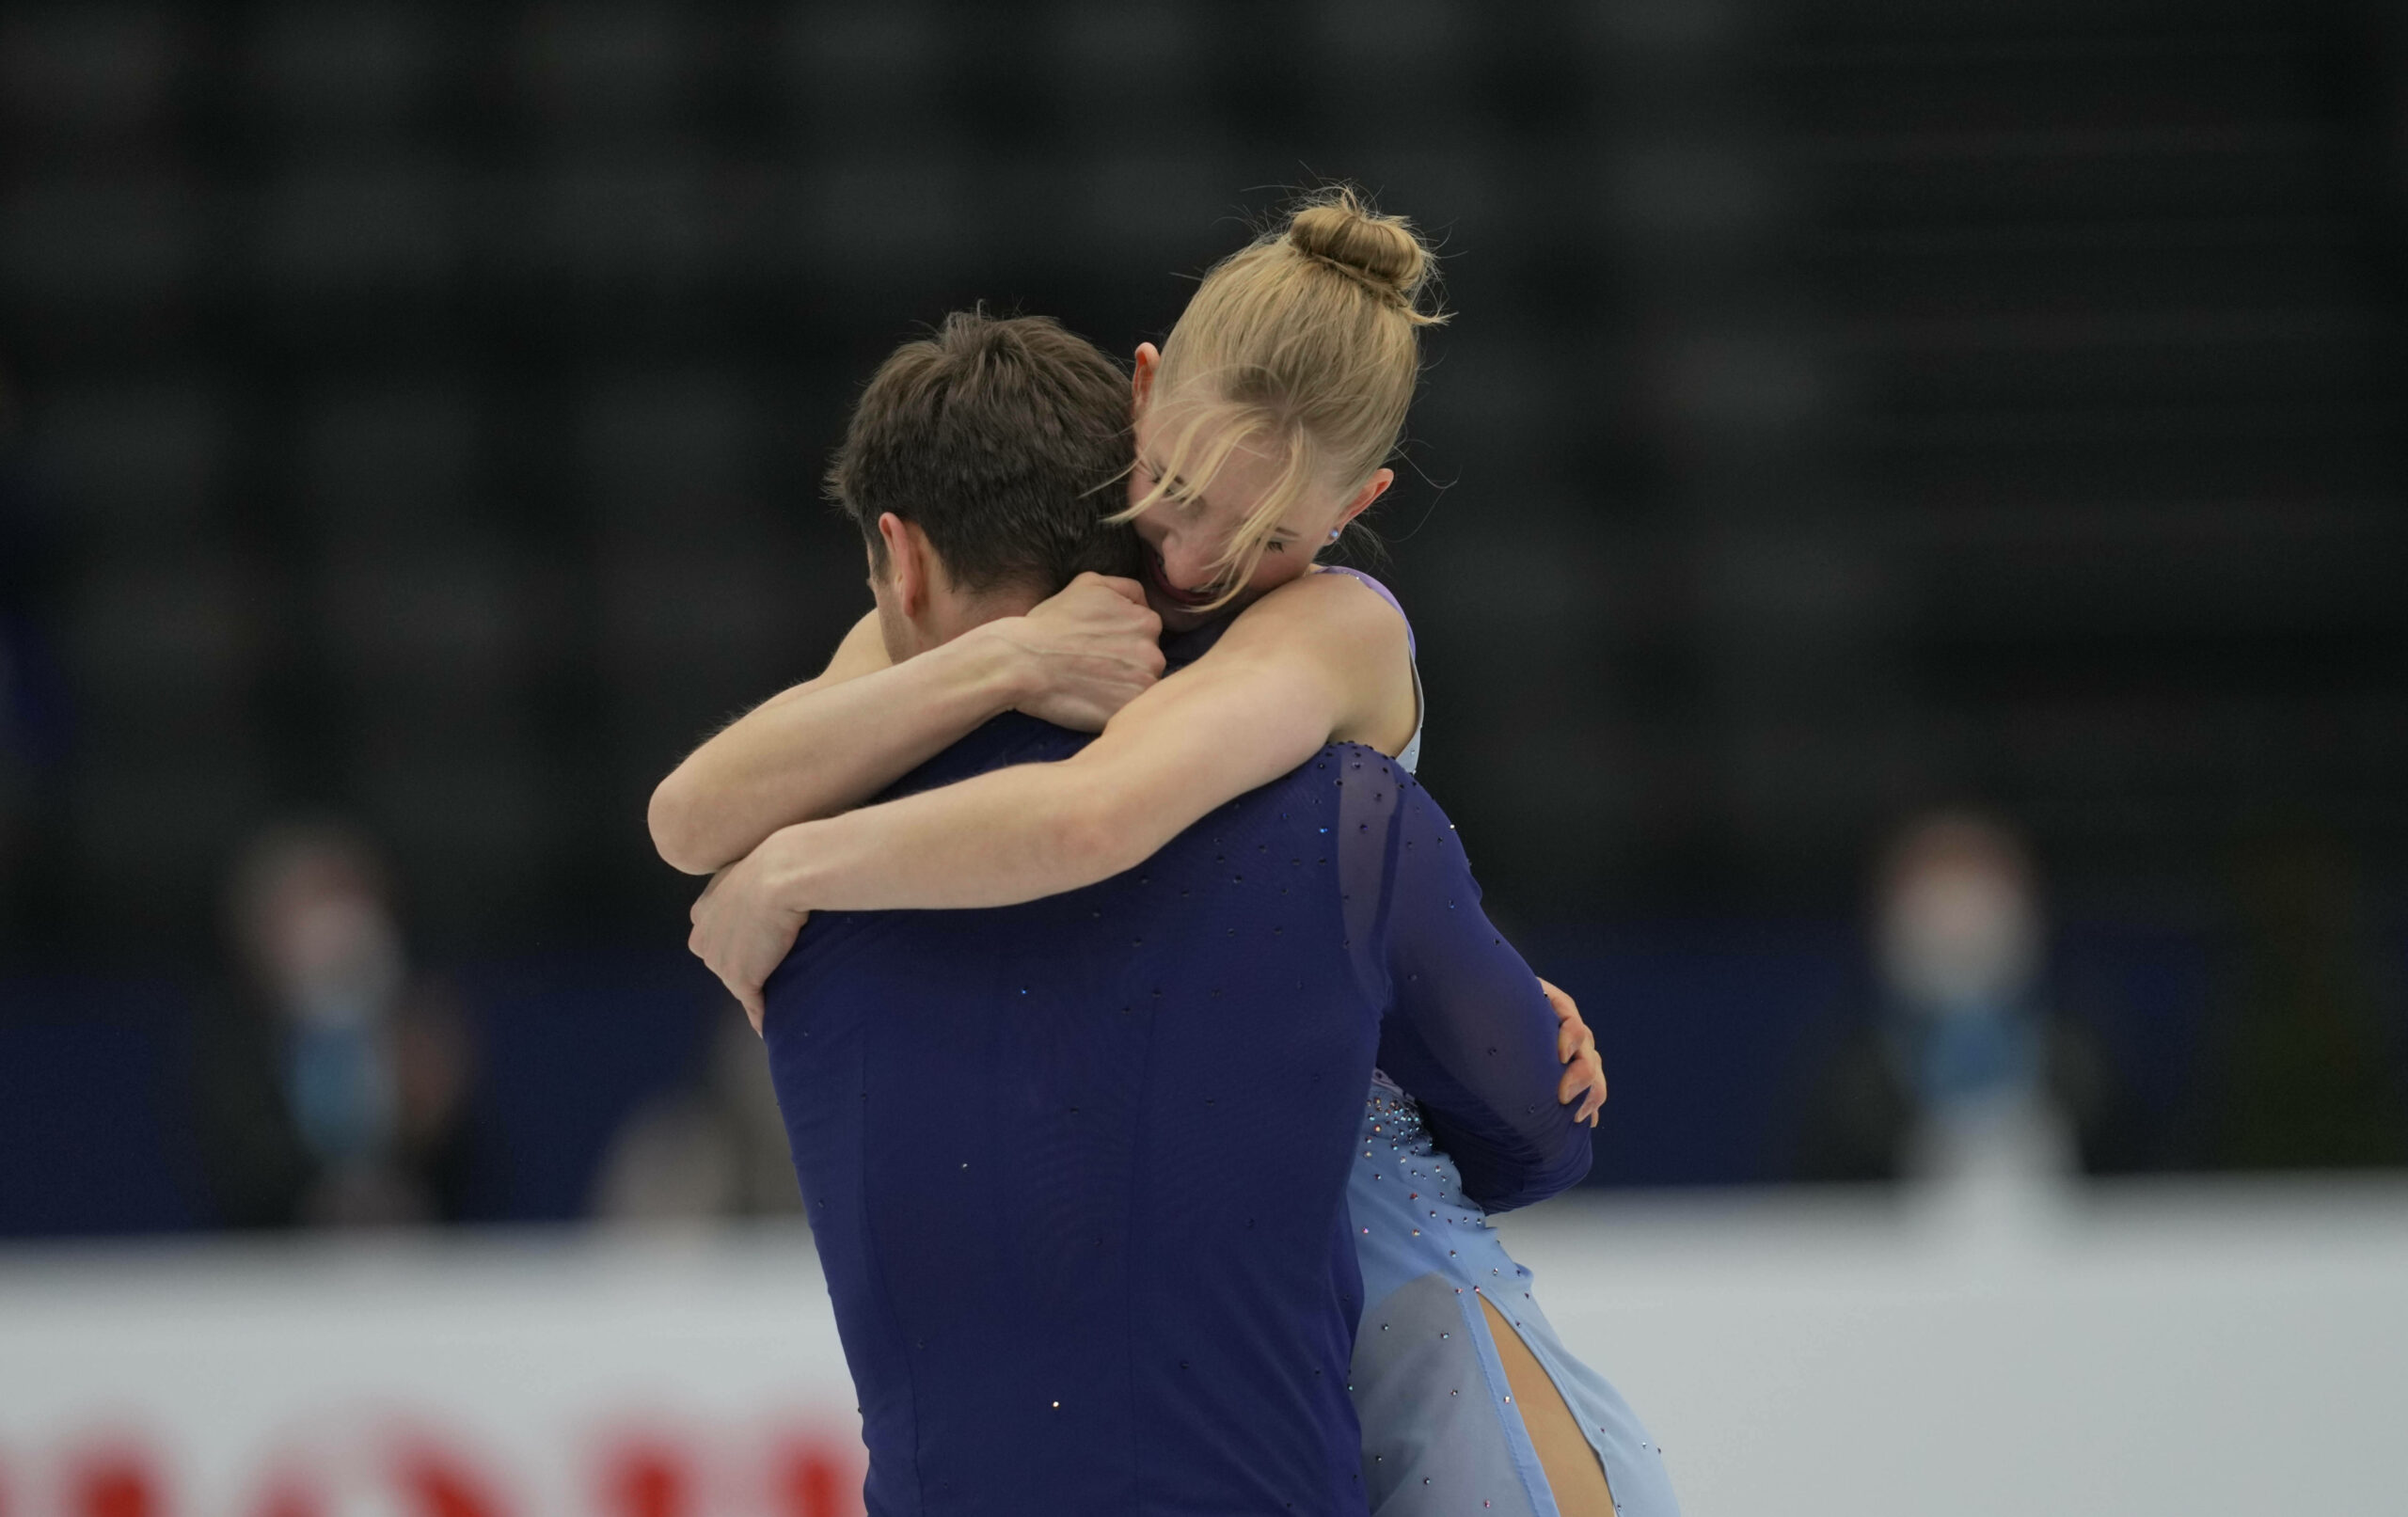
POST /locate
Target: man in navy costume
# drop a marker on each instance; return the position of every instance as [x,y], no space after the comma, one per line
[1076,1169]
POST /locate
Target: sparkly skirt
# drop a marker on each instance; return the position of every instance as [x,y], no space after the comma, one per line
[1439,1434]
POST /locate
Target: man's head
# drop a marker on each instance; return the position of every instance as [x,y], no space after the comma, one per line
[978,466]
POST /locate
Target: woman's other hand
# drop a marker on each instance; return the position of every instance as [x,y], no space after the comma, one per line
[1584,1076]
[1089,650]
[742,931]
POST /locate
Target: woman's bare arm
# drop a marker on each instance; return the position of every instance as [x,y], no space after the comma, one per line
[1319,660]
[833,742]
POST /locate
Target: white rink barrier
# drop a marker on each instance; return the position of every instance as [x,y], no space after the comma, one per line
[583,1375]
[2135,1349]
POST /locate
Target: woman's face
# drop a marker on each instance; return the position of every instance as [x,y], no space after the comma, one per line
[1187,532]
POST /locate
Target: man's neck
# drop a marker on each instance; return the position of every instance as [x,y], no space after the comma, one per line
[949,615]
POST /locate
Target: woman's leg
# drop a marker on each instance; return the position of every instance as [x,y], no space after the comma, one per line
[1574,1473]
[1434,1444]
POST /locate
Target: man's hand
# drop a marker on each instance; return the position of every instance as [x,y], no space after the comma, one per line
[742,929]
[1584,1079]
[1091,650]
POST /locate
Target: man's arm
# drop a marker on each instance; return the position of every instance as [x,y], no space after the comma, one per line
[1471,1032]
[833,742]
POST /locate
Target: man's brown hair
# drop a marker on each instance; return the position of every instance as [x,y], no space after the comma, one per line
[1000,437]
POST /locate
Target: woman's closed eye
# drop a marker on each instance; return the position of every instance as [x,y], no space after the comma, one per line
[1176,493]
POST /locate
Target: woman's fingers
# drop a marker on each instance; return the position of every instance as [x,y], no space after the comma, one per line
[1572,1038]
[1564,1008]
[1569,1029]
[1584,1071]
[1586,1085]
[1596,1061]
[1596,1092]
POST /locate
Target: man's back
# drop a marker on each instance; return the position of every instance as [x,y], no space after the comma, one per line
[1077,1196]
[1075,1168]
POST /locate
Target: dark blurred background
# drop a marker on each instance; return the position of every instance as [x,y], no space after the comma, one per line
[1857,411]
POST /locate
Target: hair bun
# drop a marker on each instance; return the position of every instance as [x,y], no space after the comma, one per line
[1342,228]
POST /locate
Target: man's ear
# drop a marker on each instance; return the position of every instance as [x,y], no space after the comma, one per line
[907,562]
[1141,379]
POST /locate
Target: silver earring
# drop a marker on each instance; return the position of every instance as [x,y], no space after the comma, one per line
[1333,532]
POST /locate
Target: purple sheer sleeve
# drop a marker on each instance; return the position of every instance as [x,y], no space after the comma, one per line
[1467,1032]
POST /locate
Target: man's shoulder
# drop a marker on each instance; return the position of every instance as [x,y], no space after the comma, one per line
[1340,765]
[1361,781]
[1357,794]
[1008,739]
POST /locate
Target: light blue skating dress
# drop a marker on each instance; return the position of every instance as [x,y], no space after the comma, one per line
[1441,1437]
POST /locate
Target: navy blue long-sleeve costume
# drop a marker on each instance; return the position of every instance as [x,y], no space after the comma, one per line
[1076,1168]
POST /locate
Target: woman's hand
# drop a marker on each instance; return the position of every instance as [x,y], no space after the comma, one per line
[1585,1074]
[1089,651]
[742,930]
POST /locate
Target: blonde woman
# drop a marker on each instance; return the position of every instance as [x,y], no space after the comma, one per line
[1262,428]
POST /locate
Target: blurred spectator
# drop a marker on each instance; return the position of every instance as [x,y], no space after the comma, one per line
[2300,1069]
[714,1147]
[333,1082]
[1962,1035]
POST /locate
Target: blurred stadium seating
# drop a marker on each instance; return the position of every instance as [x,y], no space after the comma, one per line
[415,412]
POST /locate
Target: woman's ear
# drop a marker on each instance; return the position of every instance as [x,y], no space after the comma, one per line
[1374,487]
[1141,379]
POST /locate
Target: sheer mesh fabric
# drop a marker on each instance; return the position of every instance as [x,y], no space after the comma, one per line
[1467,1033]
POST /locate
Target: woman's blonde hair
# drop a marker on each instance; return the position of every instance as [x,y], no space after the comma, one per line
[1305,346]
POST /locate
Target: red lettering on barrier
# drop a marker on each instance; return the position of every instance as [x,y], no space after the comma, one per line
[811,1469]
[288,1495]
[114,1482]
[443,1486]
[645,1477]
[809,1480]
